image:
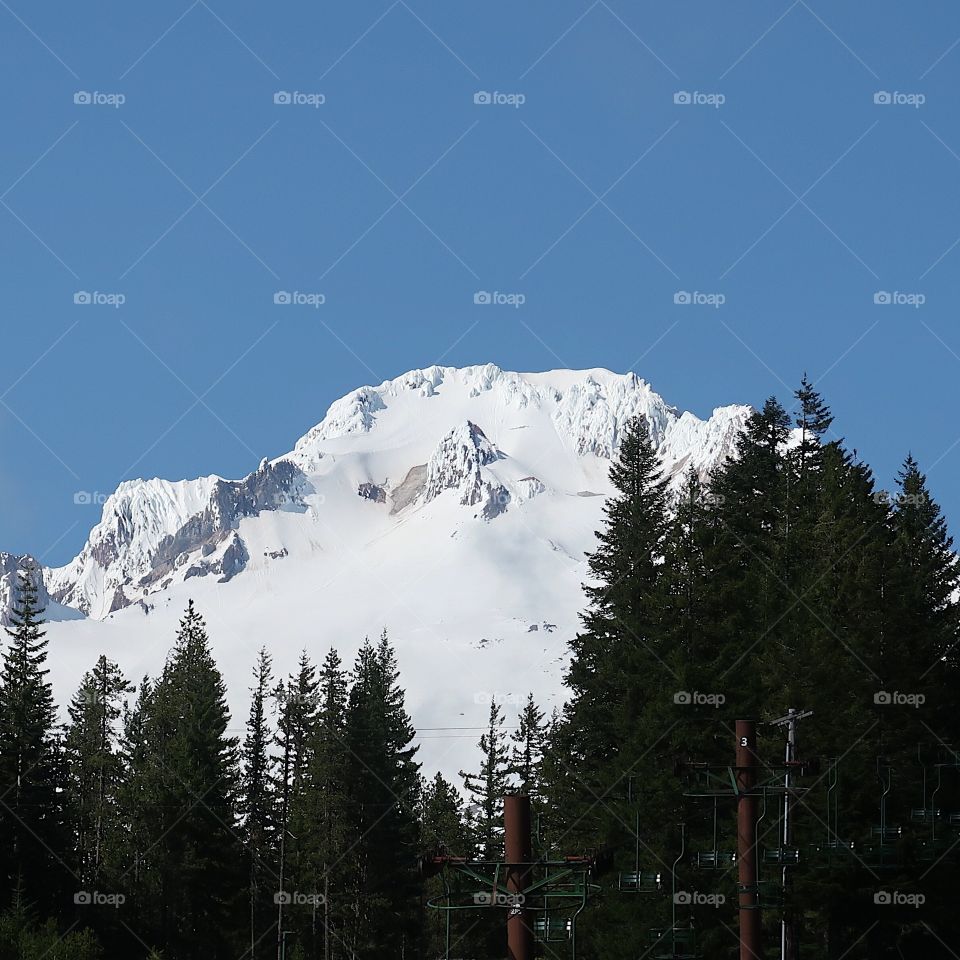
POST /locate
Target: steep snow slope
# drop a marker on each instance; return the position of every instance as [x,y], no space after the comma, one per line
[452,506]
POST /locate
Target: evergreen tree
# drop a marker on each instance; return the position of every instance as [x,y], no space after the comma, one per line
[95,768]
[184,786]
[628,548]
[23,937]
[443,827]
[319,818]
[298,703]
[135,789]
[925,643]
[526,749]
[687,574]
[382,780]
[925,551]
[485,791]
[32,838]
[258,810]
[443,830]
[619,671]
[486,788]
[813,422]
[744,556]
[820,478]
[612,655]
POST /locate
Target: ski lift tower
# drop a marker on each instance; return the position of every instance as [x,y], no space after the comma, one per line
[541,898]
[788,941]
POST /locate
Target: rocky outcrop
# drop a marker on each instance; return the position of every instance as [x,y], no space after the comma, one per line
[372,491]
[456,464]
[151,529]
[232,560]
[409,489]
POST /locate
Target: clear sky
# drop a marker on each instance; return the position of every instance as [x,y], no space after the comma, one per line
[780,187]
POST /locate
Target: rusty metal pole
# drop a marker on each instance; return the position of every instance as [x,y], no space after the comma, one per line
[751,932]
[518,849]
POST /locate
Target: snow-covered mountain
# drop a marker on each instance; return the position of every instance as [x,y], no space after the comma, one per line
[452,506]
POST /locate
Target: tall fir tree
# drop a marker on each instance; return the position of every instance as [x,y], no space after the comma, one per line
[297,705]
[526,750]
[619,649]
[258,810]
[184,793]
[32,831]
[814,420]
[382,781]
[925,642]
[689,645]
[319,817]
[135,801]
[925,550]
[744,554]
[95,772]
[625,562]
[486,788]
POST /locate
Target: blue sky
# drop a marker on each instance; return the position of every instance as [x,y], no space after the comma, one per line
[782,187]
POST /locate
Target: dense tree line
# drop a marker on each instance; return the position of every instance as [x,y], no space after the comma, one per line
[140,827]
[785,579]
[137,825]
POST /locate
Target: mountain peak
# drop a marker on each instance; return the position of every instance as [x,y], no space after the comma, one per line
[478,437]
[457,463]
